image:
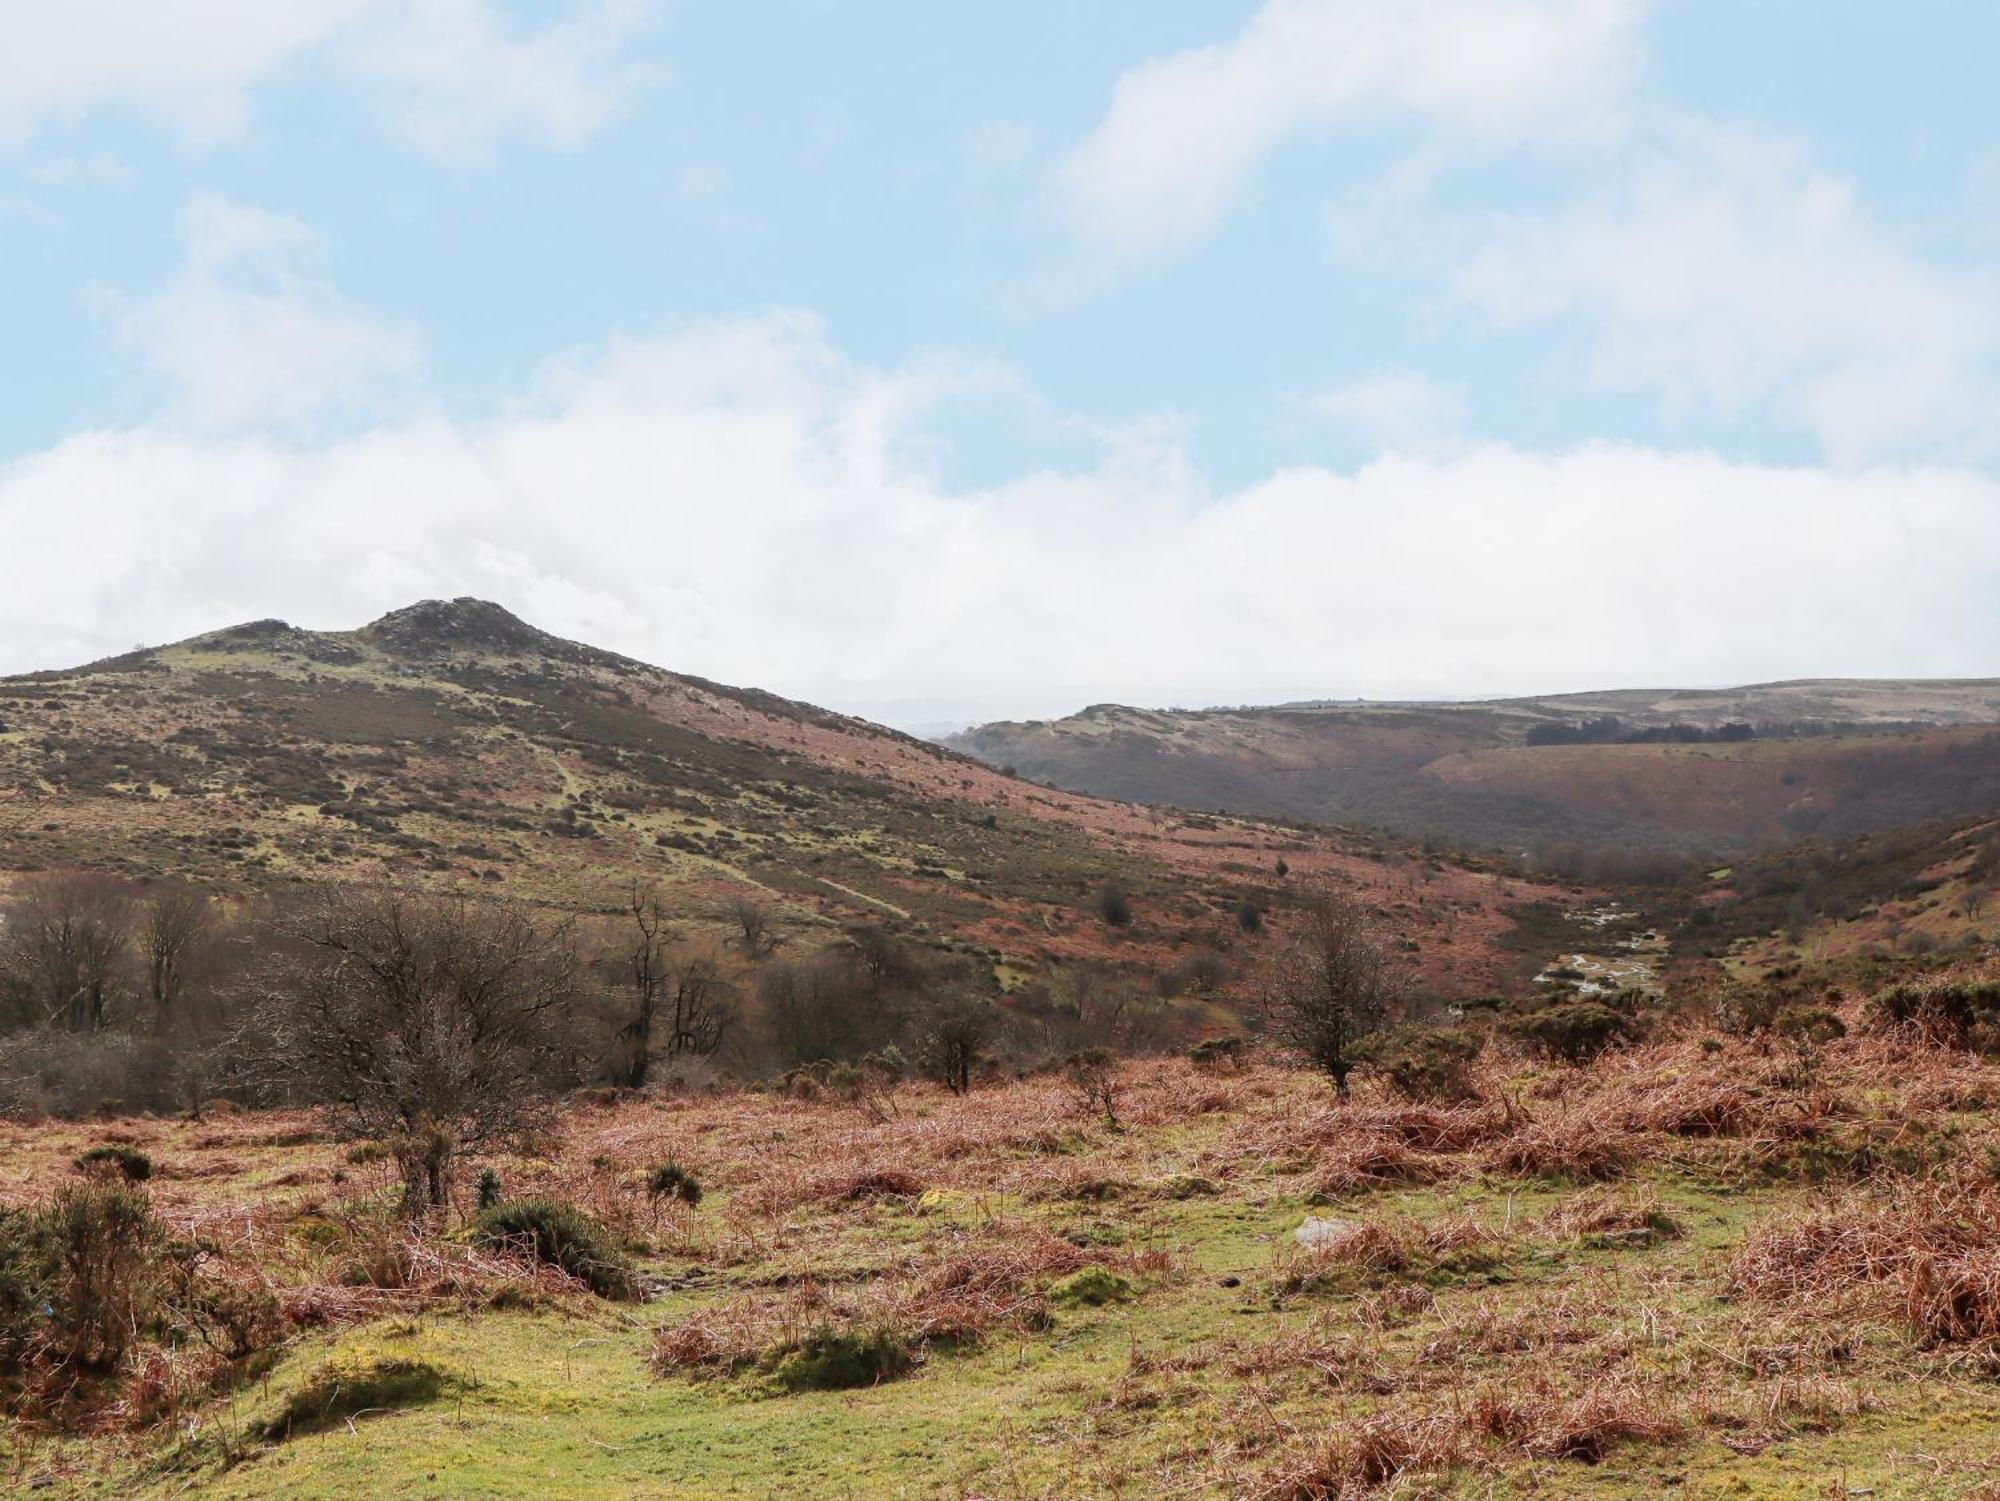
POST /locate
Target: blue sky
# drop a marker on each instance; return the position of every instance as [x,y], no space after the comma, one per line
[950,361]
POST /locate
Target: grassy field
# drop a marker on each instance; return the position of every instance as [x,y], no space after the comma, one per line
[1704,1267]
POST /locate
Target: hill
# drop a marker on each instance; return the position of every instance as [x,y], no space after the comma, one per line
[1676,771]
[451,743]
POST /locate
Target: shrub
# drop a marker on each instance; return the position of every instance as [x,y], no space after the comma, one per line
[1571,1031]
[1112,905]
[1249,916]
[669,1180]
[78,1279]
[110,1156]
[829,1359]
[1741,1011]
[1424,1064]
[560,1235]
[490,1191]
[1220,1052]
[233,1316]
[1808,1027]
[1944,1013]
[1093,1074]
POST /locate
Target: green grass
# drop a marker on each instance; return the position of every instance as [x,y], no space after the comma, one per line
[564,1404]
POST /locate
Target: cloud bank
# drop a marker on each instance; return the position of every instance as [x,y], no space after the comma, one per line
[740,501]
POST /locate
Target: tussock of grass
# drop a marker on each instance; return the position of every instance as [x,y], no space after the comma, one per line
[363,1379]
[1091,1287]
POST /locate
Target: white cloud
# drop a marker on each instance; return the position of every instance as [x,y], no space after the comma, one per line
[449,74]
[245,334]
[1728,275]
[453,78]
[1403,411]
[740,501]
[1184,132]
[193,64]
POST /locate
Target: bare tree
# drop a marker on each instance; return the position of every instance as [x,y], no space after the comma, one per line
[432,1024]
[703,1006]
[699,1004]
[885,960]
[753,924]
[647,972]
[66,945]
[1976,897]
[1331,986]
[172,929]
[824,1007]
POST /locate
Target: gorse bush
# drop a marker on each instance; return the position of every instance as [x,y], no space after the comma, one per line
[1572,1031]
[1944,1013]
[1113,905]
[560,1235]
[1425,1064]
[78,1279]
[1220,1052]
[489,1189]
[669,1180]
[115,1157]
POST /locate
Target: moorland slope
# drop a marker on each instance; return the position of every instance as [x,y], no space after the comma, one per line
[451,743]
[1688,771]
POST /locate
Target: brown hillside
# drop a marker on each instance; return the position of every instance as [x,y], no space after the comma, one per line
[1642,770]
[453,743]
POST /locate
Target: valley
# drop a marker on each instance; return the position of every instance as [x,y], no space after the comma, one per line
[1592,783]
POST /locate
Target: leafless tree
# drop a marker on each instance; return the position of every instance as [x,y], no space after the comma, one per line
[753,924]
[647,973]
[885,960]
[703,1006]
[432,1024]
[1976,897]
[172,929]
[1092,1074]
[67,943]
[823,1008]
[1331,986]
[698,1003]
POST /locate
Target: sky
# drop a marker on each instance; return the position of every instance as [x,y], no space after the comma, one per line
[947,363]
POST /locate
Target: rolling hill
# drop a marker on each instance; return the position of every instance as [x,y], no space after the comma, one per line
[452,743]
[1712,771]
